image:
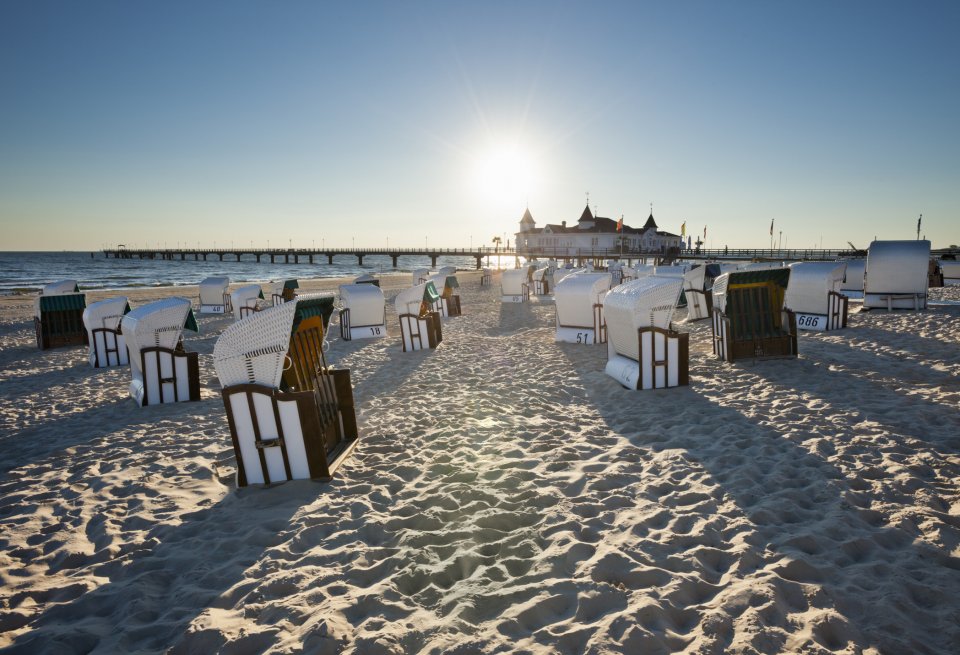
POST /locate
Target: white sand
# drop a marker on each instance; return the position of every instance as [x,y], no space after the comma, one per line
[506,497]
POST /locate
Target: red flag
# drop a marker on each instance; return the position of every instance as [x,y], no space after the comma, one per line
[620,225]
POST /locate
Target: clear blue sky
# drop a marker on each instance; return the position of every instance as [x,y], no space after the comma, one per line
[309,122]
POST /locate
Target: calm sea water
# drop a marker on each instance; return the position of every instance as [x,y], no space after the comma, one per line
[29,271]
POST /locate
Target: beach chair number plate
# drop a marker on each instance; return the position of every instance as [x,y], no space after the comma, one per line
[375,331]
[213,309]
[811,322]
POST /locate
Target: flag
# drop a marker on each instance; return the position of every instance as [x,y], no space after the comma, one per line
[918,225]
[683,229]
[771,227]
[620,225]
[704,231]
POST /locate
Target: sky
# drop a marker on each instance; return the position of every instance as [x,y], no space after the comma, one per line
[437,123]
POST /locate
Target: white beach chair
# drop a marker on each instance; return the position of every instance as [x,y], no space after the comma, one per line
[417,311]
[282,291]
[579,305]
[214,298]
[364,314]
[643,351]
[678,270]
[244,300]
[60,287]
[421,275]
[852,285]
[366,278]
[58,315]
[513,286]
[813,294]
[447,270]
[161,371]
[951,271]
[280,435]
[896,275]
[699,298]
[447,286]
[749,320]
[102,322]
[541,282]
[486,277]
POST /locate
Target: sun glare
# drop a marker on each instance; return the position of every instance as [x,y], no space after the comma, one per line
[505,175]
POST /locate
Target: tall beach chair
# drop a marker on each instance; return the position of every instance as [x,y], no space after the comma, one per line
[244,300]
[282,291]
[448,287]
[696,289]
[58,315]
[643,350]
[161,370]
[542,281]
[486,277]
[279,434]
[102,322]
[749,320]
[417,311]
[366,278]
[579,308]
[813,294]
[951,272]
[420,275]
[513,285]
[214,298]
[896,275]
[364,312]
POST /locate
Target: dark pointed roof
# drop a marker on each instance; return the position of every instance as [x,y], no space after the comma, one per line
[650,223]
[527,217]
[587,215]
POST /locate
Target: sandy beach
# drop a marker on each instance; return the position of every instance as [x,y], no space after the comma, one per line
[506,497]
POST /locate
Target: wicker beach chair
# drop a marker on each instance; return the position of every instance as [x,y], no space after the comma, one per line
[283,291]
[447,285]
[214,298]
[951,272]
[58,315]
[852,285]
[513,286]
[102,322]
[749,321]
[541,282]
[366,278]
[643,351]
[579,308]
[486,277]
[896,275]
[305,432]
[696,289]
[364,314]
[244,300]
[447,270]
[161,370]
[420,275]
[417,310]
[813,294]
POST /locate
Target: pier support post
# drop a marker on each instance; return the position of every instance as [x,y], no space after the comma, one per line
[258,258]
[359,259]
[271,258]
[479,261]
[433,261]
[296,259]
[238,257]
[311,258]
[394,258]
[330,259]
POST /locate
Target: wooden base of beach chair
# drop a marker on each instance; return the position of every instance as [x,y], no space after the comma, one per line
[169,376]
[594,334]
[349,332]
[247,310]
[541,287]
[891,301]
[280,298]
[486,280]
[108,348]
[295,435]
[754,342]
[699,304]
[836,319]
[523,296]
[420,332]
[60,329]
[450,306]
[664,361]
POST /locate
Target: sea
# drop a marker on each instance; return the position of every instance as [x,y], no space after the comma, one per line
[27,272]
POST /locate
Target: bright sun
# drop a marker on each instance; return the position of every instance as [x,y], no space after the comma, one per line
[505,175]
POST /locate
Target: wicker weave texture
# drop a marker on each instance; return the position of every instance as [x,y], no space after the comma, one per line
[245,297]
[647,302]
[253,350]
[159,323]
[105,313]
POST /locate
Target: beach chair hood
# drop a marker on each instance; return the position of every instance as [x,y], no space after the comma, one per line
[253,351]
[60,287]
[106,313]
[576,294]
[810,284]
